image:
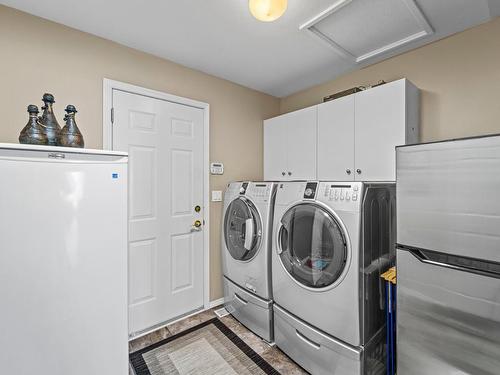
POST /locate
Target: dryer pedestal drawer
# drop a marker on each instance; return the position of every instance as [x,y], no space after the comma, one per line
[316,352]
[253,312]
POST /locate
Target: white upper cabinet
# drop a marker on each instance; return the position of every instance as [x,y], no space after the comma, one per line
[301,145]
[385,117]
[336,139]
[275,149]
[352,138]
[290,146]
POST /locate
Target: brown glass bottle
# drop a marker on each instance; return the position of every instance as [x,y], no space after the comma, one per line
[48,119]
[70,135]
[33,133]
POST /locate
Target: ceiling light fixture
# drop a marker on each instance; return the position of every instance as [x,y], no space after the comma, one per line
[267,10]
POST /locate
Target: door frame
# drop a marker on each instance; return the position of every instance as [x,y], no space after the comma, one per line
[107,142]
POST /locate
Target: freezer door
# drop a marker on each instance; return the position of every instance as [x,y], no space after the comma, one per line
[447,197]
[448,315]
[63,264]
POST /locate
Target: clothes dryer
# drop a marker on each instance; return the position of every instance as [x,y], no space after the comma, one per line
[331,241]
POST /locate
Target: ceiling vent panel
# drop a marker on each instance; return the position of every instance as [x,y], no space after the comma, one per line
[363,29]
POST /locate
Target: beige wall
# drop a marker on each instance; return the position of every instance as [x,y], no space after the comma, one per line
[39,56]
[459,77]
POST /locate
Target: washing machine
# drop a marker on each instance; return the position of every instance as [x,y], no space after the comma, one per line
[331,242]
[246,256]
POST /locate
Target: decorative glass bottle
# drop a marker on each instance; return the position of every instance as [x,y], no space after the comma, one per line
[70,135]
[33,133]
[48,119]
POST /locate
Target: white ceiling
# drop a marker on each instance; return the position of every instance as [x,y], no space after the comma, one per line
[221,38]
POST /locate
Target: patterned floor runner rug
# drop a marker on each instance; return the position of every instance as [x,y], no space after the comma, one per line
[209,348]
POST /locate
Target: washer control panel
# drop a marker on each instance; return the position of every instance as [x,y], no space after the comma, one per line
[243,188]
[260,191]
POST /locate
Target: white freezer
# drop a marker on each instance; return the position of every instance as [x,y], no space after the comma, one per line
[63,261]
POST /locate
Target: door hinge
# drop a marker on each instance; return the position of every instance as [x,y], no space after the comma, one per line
[112,115]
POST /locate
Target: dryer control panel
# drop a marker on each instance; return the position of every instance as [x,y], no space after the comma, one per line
[341,195]
[341,192]
[310,190]
[260,191]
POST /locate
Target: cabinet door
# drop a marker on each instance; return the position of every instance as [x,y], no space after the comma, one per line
[301,130]
[336,140]
[380,122]
[275,145]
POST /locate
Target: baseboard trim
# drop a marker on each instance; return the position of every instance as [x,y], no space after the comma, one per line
[147,331]
[216,303]
[156,327]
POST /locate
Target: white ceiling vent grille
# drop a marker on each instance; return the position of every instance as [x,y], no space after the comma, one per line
[363,29]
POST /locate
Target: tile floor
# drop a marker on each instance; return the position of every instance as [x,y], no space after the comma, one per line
[272,355]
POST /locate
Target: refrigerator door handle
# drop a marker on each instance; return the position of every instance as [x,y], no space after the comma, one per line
[63,156]
[458,263]
[58,158]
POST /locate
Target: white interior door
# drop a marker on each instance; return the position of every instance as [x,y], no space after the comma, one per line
[165,145]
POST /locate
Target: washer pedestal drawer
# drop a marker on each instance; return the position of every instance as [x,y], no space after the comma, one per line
[313,350]
[253,312]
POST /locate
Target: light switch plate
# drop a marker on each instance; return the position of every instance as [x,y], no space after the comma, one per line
[216,196]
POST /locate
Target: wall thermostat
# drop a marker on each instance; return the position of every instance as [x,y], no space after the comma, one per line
[216,168]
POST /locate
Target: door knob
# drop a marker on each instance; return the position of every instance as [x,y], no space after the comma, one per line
[358,171]
[197,225]
[289,173]
[348,171]
[283,173]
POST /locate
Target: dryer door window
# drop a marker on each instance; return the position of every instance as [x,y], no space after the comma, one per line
[242,229]
[312,245]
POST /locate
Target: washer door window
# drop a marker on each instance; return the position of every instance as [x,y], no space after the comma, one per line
[242,229]
[312,245]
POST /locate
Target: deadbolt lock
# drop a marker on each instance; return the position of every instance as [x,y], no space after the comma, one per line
[197,208]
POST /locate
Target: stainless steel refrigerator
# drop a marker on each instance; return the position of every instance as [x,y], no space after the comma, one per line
[448,257]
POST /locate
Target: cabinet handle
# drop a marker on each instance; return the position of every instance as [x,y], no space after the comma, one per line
[348,171]
[289,173]
[283,173]
[358,171]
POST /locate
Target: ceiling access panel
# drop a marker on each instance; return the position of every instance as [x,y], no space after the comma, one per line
[363,29]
